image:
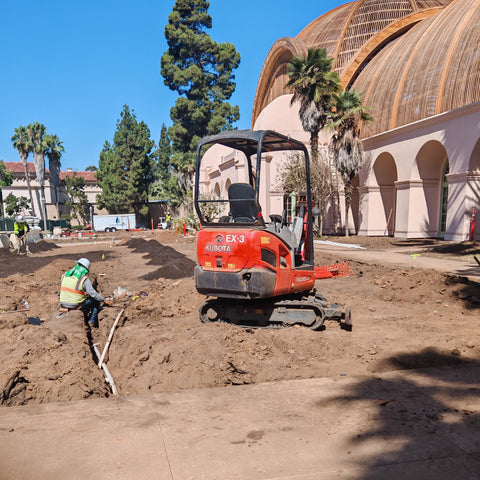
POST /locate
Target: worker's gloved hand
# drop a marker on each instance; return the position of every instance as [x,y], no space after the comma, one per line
[108,302]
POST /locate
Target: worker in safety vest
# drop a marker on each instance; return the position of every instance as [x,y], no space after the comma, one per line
[77,291]
[20,229]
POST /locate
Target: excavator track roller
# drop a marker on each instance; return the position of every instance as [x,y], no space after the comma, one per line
[272,313]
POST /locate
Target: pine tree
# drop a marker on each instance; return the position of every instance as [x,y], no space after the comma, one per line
[126,167]
[201,71]
[164,156]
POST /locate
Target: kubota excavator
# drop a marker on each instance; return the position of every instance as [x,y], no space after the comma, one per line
[261,272]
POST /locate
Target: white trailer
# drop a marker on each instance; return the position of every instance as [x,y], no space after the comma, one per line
[112,223]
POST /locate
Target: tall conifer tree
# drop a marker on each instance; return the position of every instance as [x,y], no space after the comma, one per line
[126,167]
[201,71]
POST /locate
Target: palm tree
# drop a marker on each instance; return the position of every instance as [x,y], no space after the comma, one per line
[313,85]
[54,153]
[36,133]
[347,148]
[21,143]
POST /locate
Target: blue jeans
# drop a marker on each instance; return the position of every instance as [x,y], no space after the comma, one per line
[90,310]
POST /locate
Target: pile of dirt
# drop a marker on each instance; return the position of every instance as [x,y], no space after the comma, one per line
[457,248]
[174,265]
[160,344]
[372,243]
[42,246]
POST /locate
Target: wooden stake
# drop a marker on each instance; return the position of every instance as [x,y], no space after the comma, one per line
[388,221]
[100,362]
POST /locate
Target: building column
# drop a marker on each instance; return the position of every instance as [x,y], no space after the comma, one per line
[417,209]
[373,214]
[265,186]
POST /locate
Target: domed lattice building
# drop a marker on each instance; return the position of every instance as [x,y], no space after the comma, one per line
[417,63]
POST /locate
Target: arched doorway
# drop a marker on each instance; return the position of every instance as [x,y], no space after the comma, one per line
[473,195]
[385,171]
[474,165]
[429,191]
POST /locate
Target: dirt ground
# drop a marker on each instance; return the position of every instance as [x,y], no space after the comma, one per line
[403,318]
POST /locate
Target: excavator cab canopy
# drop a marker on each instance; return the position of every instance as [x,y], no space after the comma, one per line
[242,205]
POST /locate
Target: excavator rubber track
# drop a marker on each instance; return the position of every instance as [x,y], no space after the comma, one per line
[310,311]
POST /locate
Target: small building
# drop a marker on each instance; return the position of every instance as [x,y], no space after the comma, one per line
[19,188]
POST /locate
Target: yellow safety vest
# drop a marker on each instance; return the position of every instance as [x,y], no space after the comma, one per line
[71,290]
[20,228]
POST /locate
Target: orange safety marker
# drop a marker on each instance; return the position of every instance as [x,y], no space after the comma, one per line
[336,270]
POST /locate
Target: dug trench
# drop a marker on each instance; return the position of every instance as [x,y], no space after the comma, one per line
[403,318]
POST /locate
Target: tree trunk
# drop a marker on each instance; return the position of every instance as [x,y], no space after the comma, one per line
[44,208]
[57,204]
[28,185]
[320,216]
[314,146]
[348,202]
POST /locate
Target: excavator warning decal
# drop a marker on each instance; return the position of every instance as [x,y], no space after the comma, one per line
[302,279]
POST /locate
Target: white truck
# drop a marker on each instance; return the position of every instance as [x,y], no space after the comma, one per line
[112,223]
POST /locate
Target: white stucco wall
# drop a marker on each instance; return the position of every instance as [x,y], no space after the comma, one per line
[400,183]
[419,151]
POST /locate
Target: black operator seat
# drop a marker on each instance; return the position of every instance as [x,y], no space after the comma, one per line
[243,205]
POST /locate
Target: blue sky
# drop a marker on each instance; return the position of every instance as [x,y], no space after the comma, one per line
[73,65]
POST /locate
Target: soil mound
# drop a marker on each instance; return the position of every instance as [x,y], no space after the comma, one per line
[174,265]
[462,248]
[402,318]
[42,246]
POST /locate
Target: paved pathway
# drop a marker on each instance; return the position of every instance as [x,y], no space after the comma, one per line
[413,424]
[406,257]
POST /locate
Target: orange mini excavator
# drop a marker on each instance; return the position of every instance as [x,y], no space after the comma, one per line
[261,272]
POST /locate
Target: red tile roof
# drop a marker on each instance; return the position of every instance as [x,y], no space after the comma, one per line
[17,167]
[87,176]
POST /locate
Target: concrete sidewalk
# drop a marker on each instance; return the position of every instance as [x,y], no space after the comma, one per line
[405,258]
[411,424]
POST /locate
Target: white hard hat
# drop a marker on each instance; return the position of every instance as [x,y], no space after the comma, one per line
[84,262]
[19,218]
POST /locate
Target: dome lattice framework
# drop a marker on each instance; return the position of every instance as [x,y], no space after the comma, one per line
[410,58]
